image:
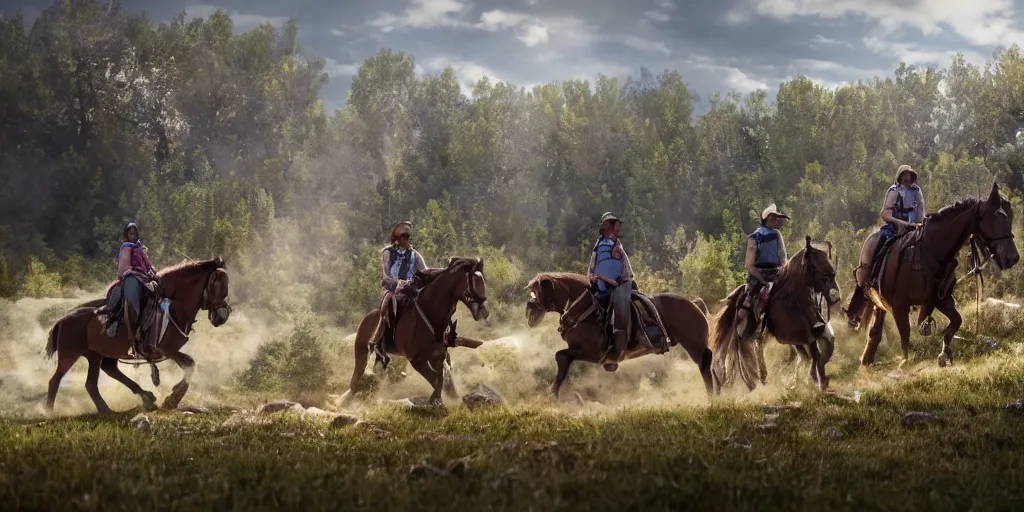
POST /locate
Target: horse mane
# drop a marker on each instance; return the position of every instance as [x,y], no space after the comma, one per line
[792,277]
[952,210]
[193,266]
[425,277]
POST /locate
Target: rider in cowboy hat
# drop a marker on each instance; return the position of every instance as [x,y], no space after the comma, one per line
[766,253]
[612,274]
[399,263]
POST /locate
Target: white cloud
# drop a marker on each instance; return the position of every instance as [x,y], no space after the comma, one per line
[667,5]
[820,39]
[533,34]
[735,78]
[243,22]
[646,45]
[467,72]
[979,22]
[425,14]
[495,20]
[912,54]
[337,32]
[334,68]
[656,15]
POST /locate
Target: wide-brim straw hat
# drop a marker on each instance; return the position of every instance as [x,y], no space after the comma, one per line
[404,227]
[772,210]
[904,168]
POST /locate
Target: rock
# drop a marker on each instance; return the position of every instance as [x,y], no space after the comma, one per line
[1015,407]
[832,435]
[141,423]
[987,342]
[245,418]
[917,418]
[319,413]
[344,420]
[482,395]
[195,409]
[281,406]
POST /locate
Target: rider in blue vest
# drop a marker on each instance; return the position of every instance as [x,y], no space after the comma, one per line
[766,254]
[902,210]
[611,276]
[399,263]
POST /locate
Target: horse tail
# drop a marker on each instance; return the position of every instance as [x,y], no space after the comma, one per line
[51,340]
[732,355]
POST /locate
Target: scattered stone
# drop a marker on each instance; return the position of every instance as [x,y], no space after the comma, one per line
[245,418]
[482,395]
[141,423]
[832,435]
[1015,407]
[344,420]
[195,409]
[987,342]
[917,418]
[281,406]
[736,442]
[318,413]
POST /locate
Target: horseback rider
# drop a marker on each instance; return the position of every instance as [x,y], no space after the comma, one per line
[766,254]
[136,283]
[399,263]
[902,210]
[611,278]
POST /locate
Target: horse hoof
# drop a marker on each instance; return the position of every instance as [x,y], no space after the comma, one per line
[945,361]
[149,402]
[611,367]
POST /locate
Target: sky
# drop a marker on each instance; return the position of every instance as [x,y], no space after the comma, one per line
[717,45]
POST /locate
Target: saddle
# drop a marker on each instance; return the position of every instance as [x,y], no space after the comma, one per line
[394,305]
[152,322]
[644,321]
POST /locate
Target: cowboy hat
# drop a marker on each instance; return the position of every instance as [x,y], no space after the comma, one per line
[606,218]
[905,168]
[404,227]
[772,210]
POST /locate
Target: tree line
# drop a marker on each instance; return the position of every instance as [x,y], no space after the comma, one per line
[218,143]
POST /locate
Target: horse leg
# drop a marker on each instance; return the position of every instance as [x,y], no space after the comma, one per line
[874,337]
[187,365]
[762,366]
[947,306]
[449,379]
[901,315]
[563,358]
[109,366]
[818,367]
[434,376]
[64,363]
[92,382]
[361,352]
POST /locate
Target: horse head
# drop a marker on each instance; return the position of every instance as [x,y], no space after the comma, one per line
[819,272]
[994,228]
[199,285]
[551,293]
[473,290]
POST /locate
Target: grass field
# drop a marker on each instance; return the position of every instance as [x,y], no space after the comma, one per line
[789,448]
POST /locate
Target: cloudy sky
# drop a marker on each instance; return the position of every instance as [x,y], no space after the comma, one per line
[742,45]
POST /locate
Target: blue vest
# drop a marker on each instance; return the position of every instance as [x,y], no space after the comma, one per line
[605,264]
[905,208]
[401,263]
[769,251]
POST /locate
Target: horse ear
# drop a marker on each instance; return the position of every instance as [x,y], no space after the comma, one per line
[993,197]
[548,288]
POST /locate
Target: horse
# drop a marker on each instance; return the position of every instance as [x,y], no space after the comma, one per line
[792,315]
[919,269]
[567,294]
[190,286]
[423,320]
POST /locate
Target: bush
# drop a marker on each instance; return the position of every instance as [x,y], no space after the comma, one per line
[39,282]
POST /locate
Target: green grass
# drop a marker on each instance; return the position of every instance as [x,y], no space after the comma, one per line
[830,453]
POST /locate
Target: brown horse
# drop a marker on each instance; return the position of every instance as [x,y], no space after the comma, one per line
[567,294]
[189,286]
[419,327]
[792,316]
[919,269]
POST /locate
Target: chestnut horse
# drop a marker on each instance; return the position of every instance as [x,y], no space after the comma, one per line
[919,269]
[568,294]
[792,316]
[419,329]
[189,286]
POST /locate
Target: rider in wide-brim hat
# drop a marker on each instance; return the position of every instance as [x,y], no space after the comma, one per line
[402,228]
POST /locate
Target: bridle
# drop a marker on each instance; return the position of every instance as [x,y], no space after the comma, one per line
[987,243]
[472,295]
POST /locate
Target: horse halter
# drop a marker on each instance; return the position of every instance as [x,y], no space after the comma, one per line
[977,233]
[471,295]
[206,305]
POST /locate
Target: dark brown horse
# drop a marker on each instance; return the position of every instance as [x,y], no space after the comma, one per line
[919,269]
[418,333]
[805,285]
[189,286]
[567,294]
